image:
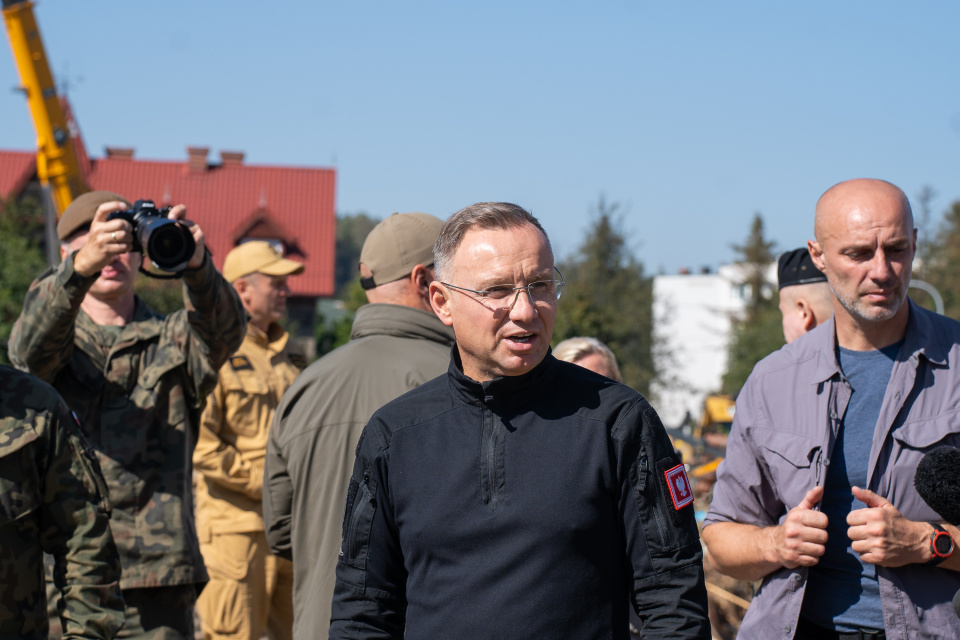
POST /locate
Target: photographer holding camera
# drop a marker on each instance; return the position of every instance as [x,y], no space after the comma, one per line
[137,381]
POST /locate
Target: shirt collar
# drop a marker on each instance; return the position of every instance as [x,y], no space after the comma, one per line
[822,342]
[275,338]
[921,338]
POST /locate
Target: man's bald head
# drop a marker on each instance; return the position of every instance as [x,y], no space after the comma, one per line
[859,194]
[865,245]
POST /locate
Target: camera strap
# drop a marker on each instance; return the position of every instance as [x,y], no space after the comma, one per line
[158,276]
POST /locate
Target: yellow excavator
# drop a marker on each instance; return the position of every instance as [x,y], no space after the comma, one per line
[704,447]
[714,427]
[716,419]
[57,166]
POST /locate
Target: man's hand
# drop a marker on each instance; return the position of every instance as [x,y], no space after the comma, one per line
[751,552]
[179,212]
[882,535]
[799,541]
[106,240]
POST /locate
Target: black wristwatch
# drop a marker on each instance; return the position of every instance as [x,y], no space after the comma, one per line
[941,545]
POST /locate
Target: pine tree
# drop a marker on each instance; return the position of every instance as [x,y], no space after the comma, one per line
[759,331]
[607,296]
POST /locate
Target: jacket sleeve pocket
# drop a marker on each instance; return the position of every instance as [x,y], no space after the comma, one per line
[664,497]
[357,521]
[89,464]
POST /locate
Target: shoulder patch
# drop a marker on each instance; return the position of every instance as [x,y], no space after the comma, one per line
[239,363]
[679,485]
[298,360]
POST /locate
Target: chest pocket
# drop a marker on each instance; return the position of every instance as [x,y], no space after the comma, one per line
[911,441]
[792,461]
[927,434]
[152,395]
[247,394]
[165,360]
[20,484]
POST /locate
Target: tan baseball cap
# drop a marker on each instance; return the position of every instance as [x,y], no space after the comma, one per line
[398,244]
[80,212]
[257,256]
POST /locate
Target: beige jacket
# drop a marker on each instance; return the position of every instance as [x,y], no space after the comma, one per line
[234,428]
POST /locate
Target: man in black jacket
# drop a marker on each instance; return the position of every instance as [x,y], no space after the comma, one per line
[517,496]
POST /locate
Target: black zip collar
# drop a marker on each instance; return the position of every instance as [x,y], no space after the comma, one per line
[504,391]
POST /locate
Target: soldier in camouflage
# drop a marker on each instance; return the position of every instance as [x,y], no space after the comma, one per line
[52,498]
[138,381]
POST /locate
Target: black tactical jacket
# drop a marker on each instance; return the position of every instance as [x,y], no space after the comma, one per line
[524,507]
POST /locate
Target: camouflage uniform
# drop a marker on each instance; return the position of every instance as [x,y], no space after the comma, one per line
[53,499]
[138,390]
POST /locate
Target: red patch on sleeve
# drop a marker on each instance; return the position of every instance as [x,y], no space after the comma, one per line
[680,491]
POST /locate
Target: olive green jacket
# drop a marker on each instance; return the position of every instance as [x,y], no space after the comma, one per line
[313,440]
[139,402]
[52,498]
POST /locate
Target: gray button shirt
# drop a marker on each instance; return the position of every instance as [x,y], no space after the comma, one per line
[786,424]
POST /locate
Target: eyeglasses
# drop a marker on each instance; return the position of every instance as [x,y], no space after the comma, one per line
[505,297]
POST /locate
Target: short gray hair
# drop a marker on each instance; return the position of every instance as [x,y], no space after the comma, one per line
[483,215]
[573,349]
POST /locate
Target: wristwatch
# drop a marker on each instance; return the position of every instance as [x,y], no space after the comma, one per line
[941,545]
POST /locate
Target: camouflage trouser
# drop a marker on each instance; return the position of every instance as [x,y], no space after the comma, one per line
[157,613]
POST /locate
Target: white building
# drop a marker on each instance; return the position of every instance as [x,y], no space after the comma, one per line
[692,321]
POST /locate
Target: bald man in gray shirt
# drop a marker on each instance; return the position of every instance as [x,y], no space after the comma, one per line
[817,487]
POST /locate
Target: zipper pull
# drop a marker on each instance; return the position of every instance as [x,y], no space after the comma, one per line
[642,474]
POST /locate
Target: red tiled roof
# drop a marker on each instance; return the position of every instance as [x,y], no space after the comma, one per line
[233,201]
[17,168]
[229,201]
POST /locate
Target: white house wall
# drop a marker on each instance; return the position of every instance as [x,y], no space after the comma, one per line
[692,323]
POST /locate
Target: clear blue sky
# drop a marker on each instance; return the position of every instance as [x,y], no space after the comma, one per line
[693,115]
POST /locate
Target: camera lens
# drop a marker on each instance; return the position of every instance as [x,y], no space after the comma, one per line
[168,244]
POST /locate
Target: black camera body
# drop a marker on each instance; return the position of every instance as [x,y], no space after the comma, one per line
[167,243]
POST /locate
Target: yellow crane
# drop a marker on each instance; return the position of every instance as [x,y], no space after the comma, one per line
[57,166]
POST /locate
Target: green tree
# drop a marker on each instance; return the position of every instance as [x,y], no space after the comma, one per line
[332,331]
[756,256]
[335,321]
[608,296]
[352,230]
[22,259]
[942,266]
[333,325]
[758,331]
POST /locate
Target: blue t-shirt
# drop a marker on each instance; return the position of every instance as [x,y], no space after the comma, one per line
[842,592]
